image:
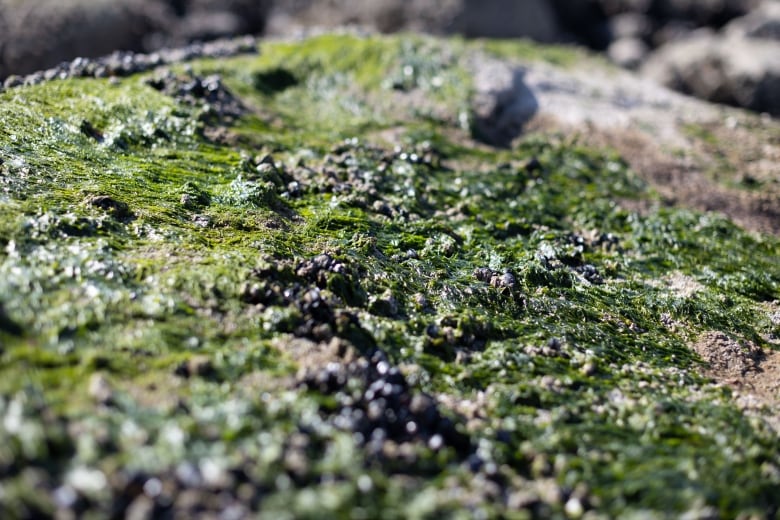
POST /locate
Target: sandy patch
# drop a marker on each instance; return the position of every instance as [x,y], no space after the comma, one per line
[752,373]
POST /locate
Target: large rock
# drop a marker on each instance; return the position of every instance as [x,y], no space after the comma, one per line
[489,18]
[294,285]
[735,70]
[763,22]
[702,12]
[39,34]
[210,19]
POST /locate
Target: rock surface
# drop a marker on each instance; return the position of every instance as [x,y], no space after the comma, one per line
[40,35]
[740,69]
[401,276]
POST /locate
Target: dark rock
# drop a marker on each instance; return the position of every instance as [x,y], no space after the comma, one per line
[196,366]
[489,18]
[585,20]
[701,12]
[90,131]
[503,104]
[375,401]
[41,34]
[117,209]
[36,35]
[208,91]
[7,325]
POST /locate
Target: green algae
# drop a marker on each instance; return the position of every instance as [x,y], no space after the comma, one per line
[137,250]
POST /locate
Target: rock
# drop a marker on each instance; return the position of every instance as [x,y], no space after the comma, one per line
[630,25]
[142,508]
[764,22]
[506,19]
[503,103]
[116,208]
[37,35]
[583,21]
[100,389]
[628,53]
[518,417]
[8,325]
[702,12]
[42,34]
[199,365]
[203,20]
[737,71]
[490,18]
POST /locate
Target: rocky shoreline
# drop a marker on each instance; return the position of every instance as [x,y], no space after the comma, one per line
[307,283]
[724,52]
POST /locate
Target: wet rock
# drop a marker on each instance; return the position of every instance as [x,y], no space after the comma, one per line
[201,221]
[266,169]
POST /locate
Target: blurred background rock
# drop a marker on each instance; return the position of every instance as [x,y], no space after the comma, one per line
[726,51]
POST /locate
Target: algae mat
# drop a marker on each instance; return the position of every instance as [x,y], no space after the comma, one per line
[293,285]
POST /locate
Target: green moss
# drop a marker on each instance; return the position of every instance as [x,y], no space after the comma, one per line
[564,56]
[181,269]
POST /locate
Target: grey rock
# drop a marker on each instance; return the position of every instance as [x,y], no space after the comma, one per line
[736,71]
[39,35]
[764,22]
[489,18]
[46,32]
[501,19]
[703,12]
[502,104]
[210,19]
[628,52]
[630,25]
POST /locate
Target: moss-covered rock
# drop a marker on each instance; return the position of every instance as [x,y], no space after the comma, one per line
[295,284]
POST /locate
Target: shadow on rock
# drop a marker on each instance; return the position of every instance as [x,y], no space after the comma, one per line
[503,104]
